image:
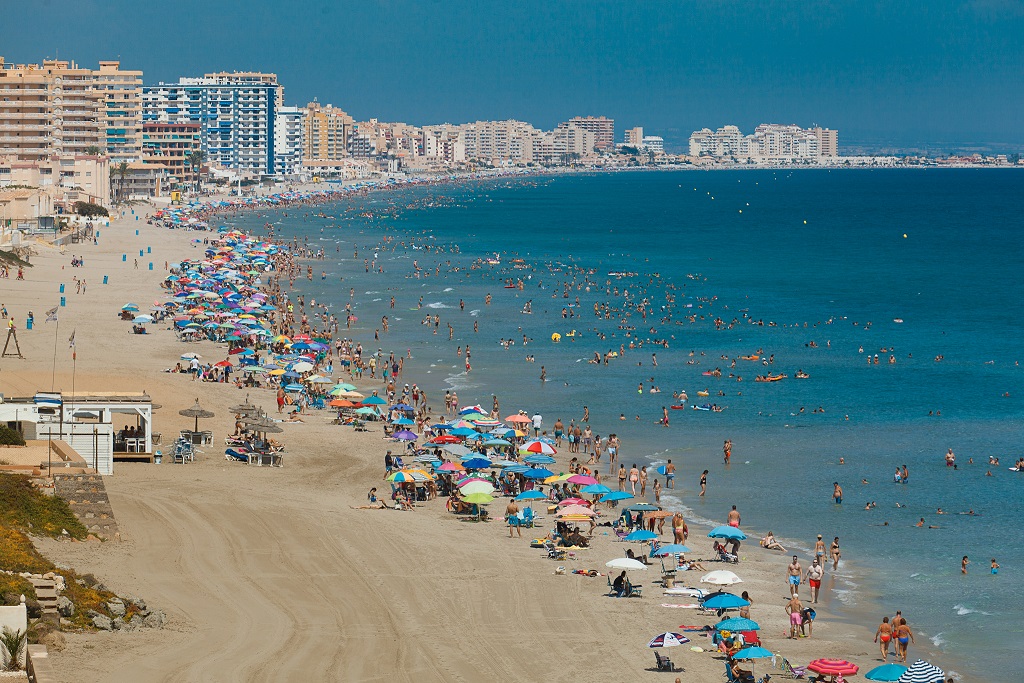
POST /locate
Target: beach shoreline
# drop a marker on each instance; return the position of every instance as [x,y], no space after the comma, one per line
[158,553]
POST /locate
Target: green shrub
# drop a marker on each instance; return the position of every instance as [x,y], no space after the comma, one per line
[10,437]
[89,209]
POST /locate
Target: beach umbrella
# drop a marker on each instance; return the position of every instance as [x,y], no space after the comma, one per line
[573,501]
[721,577]
[476,463]
[189,356]
[670,549]
[920,672]
[642,507]
[738,624]
[402,421]
[625,563]
[539,459]
[404,435]
[753,653]
[143,319]
[476,487]
[497,443]
[478,498]
[130,307]
[595,489]
[516,468]
[887,672]
[537,473]
[343,387]
[840,667]
[537,446]
[244,408]
[724,601]
[557,478]
[444,439]
[456,449]
[401,406]
[729,532]
[295,388]
[450,467]
[615,495]
[365,411]
[576,511]
[641,535]
[668,640]
[375,401]
[401,477]
[463,432]
[197,412]
[582,480]
[531,495]
[519,419]
[341,403]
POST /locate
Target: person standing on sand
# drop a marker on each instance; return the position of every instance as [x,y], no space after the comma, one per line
[622,477]
[727,450]
[703,483]
[834,551]
[657,491]
[512,510]
[280,400]
[814,575]
[794,570]
[643,482]
[904,636]
[882,636]
[670,474]
[634,477]
[794,608]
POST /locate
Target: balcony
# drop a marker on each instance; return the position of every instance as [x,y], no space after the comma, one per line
[23,138]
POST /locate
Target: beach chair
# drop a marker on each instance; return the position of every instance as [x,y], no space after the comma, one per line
[664,663]
[232,454]
[556,553]
[724,555]
[793,671]
[750,638]
[526,517]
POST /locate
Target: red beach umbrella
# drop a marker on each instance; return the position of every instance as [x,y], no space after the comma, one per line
[833,667]
[445,438]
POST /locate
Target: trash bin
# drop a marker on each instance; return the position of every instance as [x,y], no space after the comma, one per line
[158,458]
[28,323]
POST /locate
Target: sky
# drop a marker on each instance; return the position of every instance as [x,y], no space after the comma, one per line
[899,73]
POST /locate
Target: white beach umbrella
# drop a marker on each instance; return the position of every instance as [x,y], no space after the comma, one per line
[302,366]
[721,577]
[625,563]
[922,672]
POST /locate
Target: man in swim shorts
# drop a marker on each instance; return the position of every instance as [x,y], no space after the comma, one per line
[670,475]
[734,518]
[814,576]
[794,577]
[794,608]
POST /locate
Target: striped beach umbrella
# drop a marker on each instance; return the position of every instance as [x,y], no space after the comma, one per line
[922,672]
[668,639]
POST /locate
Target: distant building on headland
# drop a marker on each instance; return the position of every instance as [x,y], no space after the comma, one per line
[602,127]
[769,142]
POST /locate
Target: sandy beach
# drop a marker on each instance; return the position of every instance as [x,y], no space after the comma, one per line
[267,574]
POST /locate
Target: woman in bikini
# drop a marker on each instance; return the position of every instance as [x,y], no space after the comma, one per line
[903,637]
[834,551]
[882,636]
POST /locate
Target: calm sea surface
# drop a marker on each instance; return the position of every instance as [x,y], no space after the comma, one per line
[830,257]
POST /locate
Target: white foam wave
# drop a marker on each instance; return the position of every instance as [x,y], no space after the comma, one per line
[460,382]
[475,311]
[448,289]
[961,610]
[438,304]
[937,640]
[847,597]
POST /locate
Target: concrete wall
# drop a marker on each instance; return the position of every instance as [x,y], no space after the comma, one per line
[16,619]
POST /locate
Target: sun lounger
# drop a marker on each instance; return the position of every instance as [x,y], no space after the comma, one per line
[232,454]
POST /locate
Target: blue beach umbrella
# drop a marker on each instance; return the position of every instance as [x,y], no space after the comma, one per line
[886,672]
[737,624]
[374,401]
[476,463]
[538,473]
[615,495]
[401,406]
[670,549]
[729,532]
[753,653]
[494,443]
[461,431]
[642,507]
[595,489]
[531,495]
[539,459]
[724,601]
[641,535]
[402,421]
[517,469]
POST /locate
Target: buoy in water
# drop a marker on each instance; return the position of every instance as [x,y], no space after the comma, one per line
[904,235]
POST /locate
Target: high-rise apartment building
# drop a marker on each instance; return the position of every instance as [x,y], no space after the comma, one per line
[602,127]
[172,145]
[288,140]
[769,142]
[325,130]
[58,108]
[634,137]
[828,141]
[237,113]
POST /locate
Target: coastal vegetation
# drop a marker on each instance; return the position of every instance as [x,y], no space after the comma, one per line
[10,437]
[89,209]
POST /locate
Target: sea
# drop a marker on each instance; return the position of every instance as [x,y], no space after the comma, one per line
[819,271]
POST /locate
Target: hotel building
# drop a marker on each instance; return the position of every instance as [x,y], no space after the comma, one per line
[170,145]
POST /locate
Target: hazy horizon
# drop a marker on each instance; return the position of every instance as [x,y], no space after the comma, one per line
[944,75]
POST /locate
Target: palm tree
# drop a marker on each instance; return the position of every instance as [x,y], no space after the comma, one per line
[92,150]
[122,175]
[195,160]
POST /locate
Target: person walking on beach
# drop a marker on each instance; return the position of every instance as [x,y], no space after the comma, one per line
[904,636]
[814,575]
[703,483]
[819,549]
[670,475]
[622,477]
[657,491]
[537,422]
[634,477]
[727,450]
[794,608]
[280,400]
[512,510]
[643,483]
[882,636]
[794,576]
[834,551]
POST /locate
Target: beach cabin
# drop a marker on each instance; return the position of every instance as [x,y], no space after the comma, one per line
[103,427]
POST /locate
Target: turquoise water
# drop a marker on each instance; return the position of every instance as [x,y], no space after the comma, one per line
[817,256]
